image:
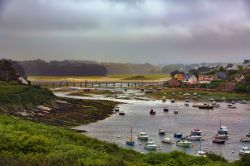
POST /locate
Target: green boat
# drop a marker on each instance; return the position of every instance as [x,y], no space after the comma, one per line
[184,143]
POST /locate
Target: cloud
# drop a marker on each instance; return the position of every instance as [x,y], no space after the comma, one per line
[123,29]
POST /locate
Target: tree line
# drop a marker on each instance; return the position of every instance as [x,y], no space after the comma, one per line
[62,68]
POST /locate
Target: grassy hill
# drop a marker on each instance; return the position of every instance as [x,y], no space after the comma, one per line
[14,96]
[28,143]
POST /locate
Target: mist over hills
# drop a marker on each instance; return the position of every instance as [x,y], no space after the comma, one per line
[87,68]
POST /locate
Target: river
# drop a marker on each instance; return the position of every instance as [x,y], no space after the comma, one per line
[116,129]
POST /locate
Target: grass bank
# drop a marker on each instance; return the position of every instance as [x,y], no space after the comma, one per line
[38,104]
[27,143]
[15,97]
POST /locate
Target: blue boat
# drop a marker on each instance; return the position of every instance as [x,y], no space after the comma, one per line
[130,141]
[177,135]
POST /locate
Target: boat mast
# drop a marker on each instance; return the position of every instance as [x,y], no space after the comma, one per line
[131,133]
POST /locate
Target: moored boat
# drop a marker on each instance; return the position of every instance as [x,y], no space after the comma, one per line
[221,136]
[245,139]
[152,112]
[201,153]
[194,138]
[176,112]
[162,132]
[130,141]
[150,145]
[122,113]
[245,151]
[218,141]
[196,132]
[231,106]
[184,143]
[116,109]
[142,136]
[165,109]
[167,140]
[243,102]
[177,135]
[206,106]
[223,130]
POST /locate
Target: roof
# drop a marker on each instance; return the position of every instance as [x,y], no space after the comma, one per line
[188,76]
[221,75]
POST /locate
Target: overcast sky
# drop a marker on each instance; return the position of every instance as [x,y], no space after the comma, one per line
[154,31]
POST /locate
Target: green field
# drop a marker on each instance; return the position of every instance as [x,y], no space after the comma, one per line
[28,143]
[149,77]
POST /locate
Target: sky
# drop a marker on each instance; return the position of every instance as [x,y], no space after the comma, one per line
[135,31]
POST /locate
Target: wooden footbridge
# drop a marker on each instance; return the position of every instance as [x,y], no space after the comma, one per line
[96,84]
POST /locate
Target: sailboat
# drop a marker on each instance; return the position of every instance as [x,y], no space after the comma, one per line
[130,141]
[201,153]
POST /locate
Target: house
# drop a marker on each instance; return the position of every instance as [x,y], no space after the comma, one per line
[240,78]
[246,63]
[174,83]
[205,78]
[24,81]
[231,66]
[221,76]
[179,76]
[190,79]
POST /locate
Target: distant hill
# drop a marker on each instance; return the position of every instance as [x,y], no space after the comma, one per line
[84,68]
[62,68]
[129,68]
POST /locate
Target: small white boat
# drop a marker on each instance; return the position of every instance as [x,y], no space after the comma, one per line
[245,151]
[194,138]
[184,143]
[150,145]
[167,140]
[142,136]
[223,130]
[243,102]
[196,132]
[116,109]
[221,136]
[231,106]
[201,153]
[162,132]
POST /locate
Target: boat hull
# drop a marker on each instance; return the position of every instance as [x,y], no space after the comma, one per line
[130,143]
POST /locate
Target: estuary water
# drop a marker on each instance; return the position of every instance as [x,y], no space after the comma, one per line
[116,129]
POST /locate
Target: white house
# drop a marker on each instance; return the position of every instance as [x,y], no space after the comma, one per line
[190,79]
[23,81]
